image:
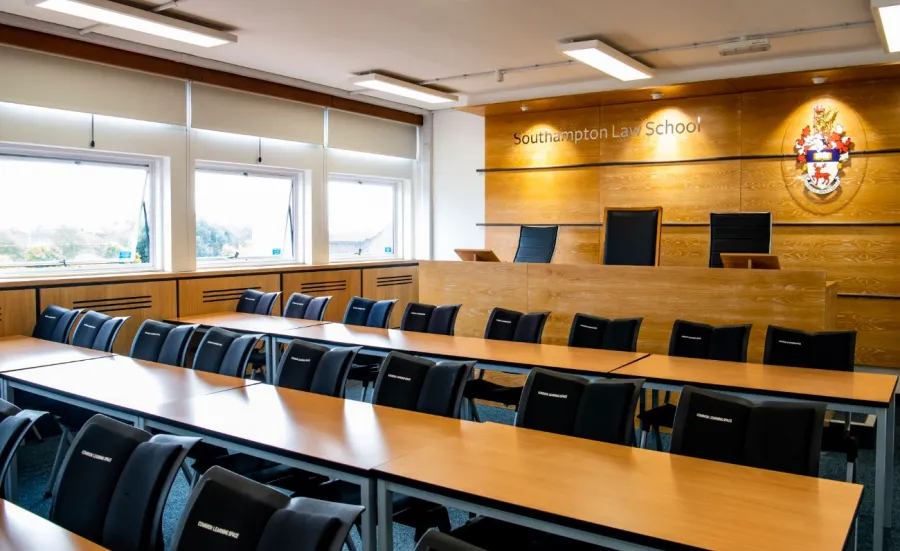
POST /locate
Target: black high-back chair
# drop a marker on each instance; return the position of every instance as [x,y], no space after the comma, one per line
[695,340]
[175,348]
[228,512]
[253,301]
[427,318]
[149,340]
[632,236]
[380,314]
[106,338]
[316,309]
[607,334]
[357,312]
[738,232]
[55,324]
[300,306]
[114,482]
[443,320]
[832,350]
[88,327]
[505,325]
[314,368]
[416,384]
[536,244]
[224,352]
[14,425]
[777,436]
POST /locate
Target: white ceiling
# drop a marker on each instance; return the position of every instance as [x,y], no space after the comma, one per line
[326,42]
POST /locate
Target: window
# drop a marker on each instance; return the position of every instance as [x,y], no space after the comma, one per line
[362,218]
[246,216]
[62,214]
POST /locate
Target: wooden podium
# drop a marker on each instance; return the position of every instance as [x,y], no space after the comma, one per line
[476,255]
[751,261]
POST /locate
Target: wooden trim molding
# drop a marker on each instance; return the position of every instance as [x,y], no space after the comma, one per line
[96,53]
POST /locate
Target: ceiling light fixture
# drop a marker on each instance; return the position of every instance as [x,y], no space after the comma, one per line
[127,17]
[607,59]
[524,108]
[397,87]
[887,19]
[819,80]
[656,95]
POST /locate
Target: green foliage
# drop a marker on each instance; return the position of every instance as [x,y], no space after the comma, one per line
[213,241]
[43,253]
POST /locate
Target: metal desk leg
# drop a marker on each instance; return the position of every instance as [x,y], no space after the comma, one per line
[11,483]
[270,359]
[367,498]
[889,464]
[385,518]
[881,483]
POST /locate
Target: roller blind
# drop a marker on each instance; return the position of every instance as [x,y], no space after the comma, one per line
[43,80]
[225,110]
[371,135]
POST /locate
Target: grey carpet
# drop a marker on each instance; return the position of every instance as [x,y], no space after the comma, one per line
[36,459]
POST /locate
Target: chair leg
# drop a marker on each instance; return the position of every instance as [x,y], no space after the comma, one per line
[658,438]
[475,416]
[644,435]
[57,461]
[187,472]
[851,472]
[365,391]
[350,545]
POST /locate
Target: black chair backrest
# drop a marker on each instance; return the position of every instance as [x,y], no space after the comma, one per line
[698,340]
[631,236]
[174,349]
[14,426]
[234,363]
[228,512]
[416,317]
[416,384]
[380,314]
[51,318]
[314,368]
[531,327]
[357,312]
[443,320]
[316,309]
[64,328]
[249,301]
[711,425]
[106,338]
[114,482]
[608,334]
[834,350]
[501,325]
[738,232]
[88,328]
[212,349]
[148,342]
[536,244]
[296,306]
[266,303]
[434,540]
[566,404]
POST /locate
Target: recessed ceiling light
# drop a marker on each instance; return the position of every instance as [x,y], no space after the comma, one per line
[607,59]
[127,17]
[819,80]
[887,19]
[397,87]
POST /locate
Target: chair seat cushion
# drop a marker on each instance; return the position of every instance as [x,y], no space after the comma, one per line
[480,389]
[258,357]
[661,416]
[365,373]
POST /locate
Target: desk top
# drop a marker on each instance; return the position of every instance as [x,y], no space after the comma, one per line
[793,382]
[19,352]
[21,530]
[247,323]
[578,360]
[126,384]
[353,436]
[631,493]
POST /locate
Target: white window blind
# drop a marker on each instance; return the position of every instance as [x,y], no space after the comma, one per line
[371,135]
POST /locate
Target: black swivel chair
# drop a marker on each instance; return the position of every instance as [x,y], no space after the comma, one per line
[224,352]
[55,323]
[97,331]
[357,312]
[300,306]
[415,384]
[601,410]
[228,512]
[607,334]
[253,301]
[632,236]
[777,436]
[536,244]
[377,314]
[380,314]
[114,484]
[832,350]
[505,325]
[738,232]
[161,342]
[695,340]
[427,318]
[14,425]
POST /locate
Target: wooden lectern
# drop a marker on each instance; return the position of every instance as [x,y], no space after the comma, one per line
[751,261]
[476,255]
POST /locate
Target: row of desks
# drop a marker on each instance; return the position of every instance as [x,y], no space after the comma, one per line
[618,496]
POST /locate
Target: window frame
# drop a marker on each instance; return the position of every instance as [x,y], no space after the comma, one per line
[299,181]
[156,176]
[399,188]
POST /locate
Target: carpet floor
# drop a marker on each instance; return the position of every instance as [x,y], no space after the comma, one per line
[36,460]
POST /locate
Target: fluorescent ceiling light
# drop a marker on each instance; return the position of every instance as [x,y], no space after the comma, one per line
[887,18]
[397,87]
[604,58]
[127,17]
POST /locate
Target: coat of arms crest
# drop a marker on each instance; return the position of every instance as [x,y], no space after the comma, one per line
[822,151]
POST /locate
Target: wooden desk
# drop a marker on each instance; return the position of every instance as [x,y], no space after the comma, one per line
[19,352]
[338,438]
[21,530]
[621,493]
[246,323]
[118,386]
[508,354]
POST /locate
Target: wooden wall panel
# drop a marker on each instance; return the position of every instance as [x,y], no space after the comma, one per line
[341,285]
[685,246]
[502,152]
[389,283]
[878,325]
[17,312]
[551,196]
[478,286]
[574,244]
[140,301]
[221,294]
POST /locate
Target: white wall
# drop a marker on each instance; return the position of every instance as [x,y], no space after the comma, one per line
[457,190]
